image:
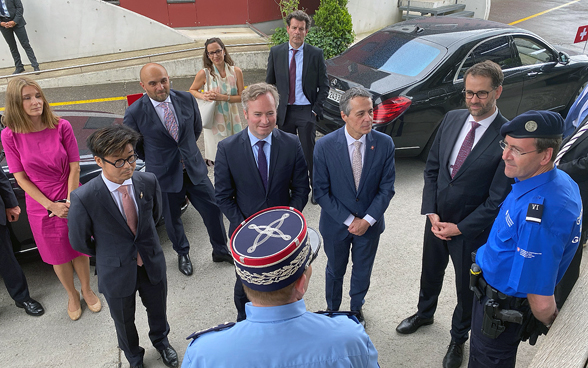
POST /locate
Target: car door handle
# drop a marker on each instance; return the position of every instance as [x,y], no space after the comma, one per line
[533,74]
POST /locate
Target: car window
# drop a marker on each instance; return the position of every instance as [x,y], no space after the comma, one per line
[395,52]
[532,52]
[495,49]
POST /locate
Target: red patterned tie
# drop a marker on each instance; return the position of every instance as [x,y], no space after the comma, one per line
[130,214]
[292,72]
[169,120]
[466,148]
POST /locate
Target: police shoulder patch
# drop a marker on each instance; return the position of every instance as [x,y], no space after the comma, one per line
[534,212]
[220,327]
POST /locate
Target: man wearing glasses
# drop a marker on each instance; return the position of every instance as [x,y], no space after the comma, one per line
[113,217]
[532,242]
[273,259]
[464,184]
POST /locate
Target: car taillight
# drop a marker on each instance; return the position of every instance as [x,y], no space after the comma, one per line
[390,109]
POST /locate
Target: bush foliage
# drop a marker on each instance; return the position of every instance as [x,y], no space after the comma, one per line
[333,32]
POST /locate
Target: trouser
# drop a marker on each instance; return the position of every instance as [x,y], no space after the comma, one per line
[21,33]
[240,299]
[122,311]
[11,272]
[201,196]
[300,120]
[363,253]
[436,253]
[567,282]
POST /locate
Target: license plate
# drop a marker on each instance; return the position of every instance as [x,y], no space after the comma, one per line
[335,95]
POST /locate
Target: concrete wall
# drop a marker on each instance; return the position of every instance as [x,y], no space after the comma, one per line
[68,29]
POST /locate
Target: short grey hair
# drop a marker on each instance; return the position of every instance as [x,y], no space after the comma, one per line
[252,92]
[350,94]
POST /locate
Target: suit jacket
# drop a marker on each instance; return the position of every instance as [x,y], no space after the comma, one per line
[98,228]
[238,186]
[472,197]
[575,163]
[162,154]
[16,11]
[315,83]
[334,188]
[7,197]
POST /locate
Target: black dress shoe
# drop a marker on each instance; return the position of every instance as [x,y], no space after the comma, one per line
[454,355]
[223,257]
[37,69]
[138,366]
[185,265]
[360,317]
[18,71]
[32,307]
[412,323]
[169,357]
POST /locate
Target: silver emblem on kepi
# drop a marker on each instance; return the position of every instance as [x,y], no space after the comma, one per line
[334,82]
[530,126]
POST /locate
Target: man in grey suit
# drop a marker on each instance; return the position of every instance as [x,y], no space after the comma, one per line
[464,185]
[299,72]
[12,23]
[113,217]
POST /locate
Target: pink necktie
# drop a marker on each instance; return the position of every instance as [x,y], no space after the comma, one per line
[130,214]
[169,120]
[292,72]
[466,148]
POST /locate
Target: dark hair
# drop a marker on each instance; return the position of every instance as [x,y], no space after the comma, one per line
[350,94]
[206,60]
[112,140]
[543,144]
[300,16]
[488,69]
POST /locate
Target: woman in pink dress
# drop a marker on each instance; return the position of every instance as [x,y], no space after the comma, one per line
[42,154]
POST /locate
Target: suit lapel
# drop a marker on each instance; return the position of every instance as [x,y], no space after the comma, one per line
[274,154]
[368,160]
[305,62]
[452,133]
[150,112]
[104,197]
[251,164]
[180,118]
[284,60]
[344,157]
[139,188]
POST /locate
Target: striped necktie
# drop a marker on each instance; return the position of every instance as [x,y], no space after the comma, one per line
[581,130]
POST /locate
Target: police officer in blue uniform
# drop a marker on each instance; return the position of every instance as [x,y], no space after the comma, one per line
[530,246]
[272,257]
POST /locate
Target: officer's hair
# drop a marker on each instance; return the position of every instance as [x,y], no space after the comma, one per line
[300,16]
[252,92]
[350,94]
[112,140]
[488,69]
[544,143]
[278,297]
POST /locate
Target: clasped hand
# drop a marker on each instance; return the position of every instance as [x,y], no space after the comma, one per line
[58,209]
[443,230]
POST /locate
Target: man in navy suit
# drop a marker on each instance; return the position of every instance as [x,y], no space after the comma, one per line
[170,123]
[299,72]
[13,23]
[113,217]
[353,183]
[245,185]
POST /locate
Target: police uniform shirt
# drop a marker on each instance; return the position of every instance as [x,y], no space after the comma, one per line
[284,336]
[534,236]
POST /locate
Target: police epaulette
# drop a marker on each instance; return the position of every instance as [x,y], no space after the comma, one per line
[351,314]
[224,326]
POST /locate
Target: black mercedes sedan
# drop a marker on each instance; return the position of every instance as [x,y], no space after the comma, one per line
[415,69]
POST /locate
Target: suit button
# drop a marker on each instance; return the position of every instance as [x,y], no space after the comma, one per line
[451,184]
[356,199]
[134,258]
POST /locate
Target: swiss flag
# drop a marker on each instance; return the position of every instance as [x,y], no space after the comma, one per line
[582,35]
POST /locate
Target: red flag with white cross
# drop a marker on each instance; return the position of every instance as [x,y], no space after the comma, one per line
[582,35]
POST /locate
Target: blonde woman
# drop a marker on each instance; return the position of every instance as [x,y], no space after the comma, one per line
[226,86]
[42,154]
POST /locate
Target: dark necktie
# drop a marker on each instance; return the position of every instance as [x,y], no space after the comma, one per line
[2,8]
[292,72]
[130,214]
[262,163]
[466,148]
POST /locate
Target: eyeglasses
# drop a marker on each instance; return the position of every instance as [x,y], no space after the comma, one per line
[121,161]
[482,95]
[213,53]
[515,151]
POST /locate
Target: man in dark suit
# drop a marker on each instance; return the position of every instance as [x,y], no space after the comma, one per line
[353,183]
[113,217]
[464,185]
[573,159]
[299,72]
[10,270]
[245,185]
[12,23]
[170,123]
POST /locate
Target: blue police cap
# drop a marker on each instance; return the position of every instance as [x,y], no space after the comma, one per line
[534,124]
[271,248]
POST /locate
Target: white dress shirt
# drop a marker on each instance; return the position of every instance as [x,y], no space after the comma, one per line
[117,196]
[267,148]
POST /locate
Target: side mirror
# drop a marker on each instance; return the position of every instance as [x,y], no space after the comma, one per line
[564,58]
